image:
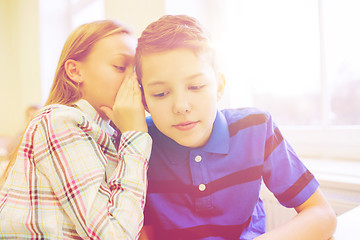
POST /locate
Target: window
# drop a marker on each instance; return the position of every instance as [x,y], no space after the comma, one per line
[83,11]
[300,60]
[341,20]
[57,20]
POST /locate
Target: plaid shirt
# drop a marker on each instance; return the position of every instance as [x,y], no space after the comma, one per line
[70,182]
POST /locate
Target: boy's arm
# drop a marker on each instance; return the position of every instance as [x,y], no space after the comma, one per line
[315,220]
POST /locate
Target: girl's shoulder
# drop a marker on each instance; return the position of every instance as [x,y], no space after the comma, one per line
[57,116]
[80,116]
[60,112]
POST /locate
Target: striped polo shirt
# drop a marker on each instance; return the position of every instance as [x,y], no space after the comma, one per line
[212,192]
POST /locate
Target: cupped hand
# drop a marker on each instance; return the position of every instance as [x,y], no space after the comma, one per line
[128,112]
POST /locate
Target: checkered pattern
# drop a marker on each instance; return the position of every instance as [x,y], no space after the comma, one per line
[70,182]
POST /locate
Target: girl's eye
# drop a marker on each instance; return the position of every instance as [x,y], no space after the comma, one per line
[120,68]
[160,95]
[197,87]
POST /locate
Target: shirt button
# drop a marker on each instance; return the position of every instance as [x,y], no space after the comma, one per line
[202,187]
[198,158]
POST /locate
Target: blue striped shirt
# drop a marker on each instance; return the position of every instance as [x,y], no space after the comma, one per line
[212,192]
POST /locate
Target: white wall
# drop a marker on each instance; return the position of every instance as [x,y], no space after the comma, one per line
[21,77]
[136,13]
[20,83]
[4,61]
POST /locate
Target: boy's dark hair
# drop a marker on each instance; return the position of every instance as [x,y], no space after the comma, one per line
[172,32]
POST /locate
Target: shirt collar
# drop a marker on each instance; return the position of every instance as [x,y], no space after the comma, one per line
[219,140]
[90,112]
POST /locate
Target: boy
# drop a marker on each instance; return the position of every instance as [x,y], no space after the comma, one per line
[207,166]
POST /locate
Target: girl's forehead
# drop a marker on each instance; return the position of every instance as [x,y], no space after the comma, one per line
[116,44]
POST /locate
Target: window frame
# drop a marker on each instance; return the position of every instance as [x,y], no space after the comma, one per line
[320,141]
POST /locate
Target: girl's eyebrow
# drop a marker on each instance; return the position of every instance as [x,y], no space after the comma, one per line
[123,55]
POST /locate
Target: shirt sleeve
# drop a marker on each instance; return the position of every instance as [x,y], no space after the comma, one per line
[99,206]
[284,173]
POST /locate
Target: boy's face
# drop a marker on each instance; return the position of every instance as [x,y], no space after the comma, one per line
[181,92]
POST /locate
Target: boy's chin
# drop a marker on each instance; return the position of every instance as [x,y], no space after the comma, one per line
[191,143]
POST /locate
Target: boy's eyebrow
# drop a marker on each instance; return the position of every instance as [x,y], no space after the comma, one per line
[195,76]
[187,79]
[156,83]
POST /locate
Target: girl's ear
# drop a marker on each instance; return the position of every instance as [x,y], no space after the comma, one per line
[72,69]
[221,85]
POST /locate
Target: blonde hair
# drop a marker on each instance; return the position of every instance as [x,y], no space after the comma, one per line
[77,47]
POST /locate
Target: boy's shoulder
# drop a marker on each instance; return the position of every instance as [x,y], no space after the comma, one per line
[149,121]
[235,114]
[151,127]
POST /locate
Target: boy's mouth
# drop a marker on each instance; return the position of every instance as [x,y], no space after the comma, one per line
[185,126]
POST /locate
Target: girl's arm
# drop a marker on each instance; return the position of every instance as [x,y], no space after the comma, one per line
[99,206]
[315,220]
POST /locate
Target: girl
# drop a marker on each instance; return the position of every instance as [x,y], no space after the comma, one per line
[74,176]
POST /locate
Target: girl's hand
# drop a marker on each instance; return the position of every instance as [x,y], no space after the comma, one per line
[128,112]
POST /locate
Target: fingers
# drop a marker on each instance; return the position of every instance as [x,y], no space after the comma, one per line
[126,89]
[132,87]
[128,112]
[124,94]
[134,83]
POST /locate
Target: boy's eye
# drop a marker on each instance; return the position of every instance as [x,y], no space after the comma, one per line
[196,87]
[120,68]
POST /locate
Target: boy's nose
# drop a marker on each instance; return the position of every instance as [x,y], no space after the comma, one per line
[181,105]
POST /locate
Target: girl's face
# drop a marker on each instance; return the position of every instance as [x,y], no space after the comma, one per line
[105,68]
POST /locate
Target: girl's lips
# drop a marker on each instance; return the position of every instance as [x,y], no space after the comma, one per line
[185,126]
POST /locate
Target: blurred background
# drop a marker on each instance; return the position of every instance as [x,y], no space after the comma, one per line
[298,59]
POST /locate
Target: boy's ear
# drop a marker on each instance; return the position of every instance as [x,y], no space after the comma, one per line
[143,99]
[221,86]
[144,103]
[72,69]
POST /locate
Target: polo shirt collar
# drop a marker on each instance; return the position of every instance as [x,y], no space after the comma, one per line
[219,140]
[166,143]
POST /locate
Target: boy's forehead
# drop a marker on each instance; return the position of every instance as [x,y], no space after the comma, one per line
[173,65]
[168,62]
[173,56]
